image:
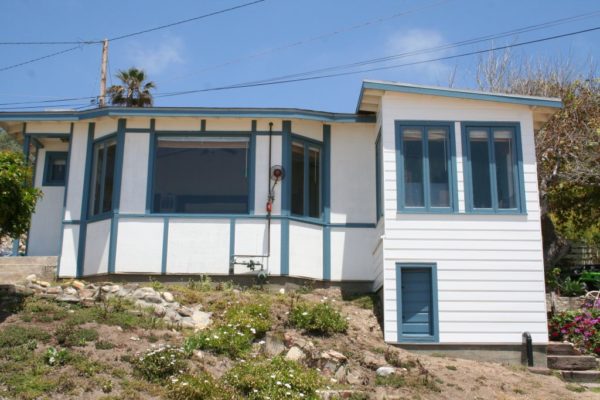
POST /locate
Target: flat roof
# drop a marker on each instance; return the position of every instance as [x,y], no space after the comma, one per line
[374,85]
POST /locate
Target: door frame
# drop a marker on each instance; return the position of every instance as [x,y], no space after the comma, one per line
[434,303]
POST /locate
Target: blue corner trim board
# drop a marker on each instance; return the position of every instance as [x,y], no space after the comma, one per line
[285,247]
[458,94]
[85,199]
[150,171]
[252,169]
[286,150]
[231,245]
[207,112]
[326,175]
[165,246]
[434,336]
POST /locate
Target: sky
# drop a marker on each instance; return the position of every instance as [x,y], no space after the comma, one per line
[270,39]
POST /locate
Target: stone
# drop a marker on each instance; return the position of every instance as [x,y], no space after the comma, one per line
[172,315]
[199,355]
[31,278]
[78,285]
[334,355]
[115,288]
[106,288]
[67,298]
[35,286]
[185,311]
[43,283]
[295,354]
[201,319]
[159,310]
[70,291]
[385,371]
[187,322]
[340,374]
[134,338]
[143,292]
[168,296]
[143,304]
[282,291]
[88,294]
[54,290]
[273,344]
[355,378]
[153,298]
[373,361]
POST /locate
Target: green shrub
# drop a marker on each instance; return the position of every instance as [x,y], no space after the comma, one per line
[223,339]
[15,335]
[198,387]
[252,318]
[319,318]
[53,357]
[273,379]
[570,287]
[68,335]
[161,363]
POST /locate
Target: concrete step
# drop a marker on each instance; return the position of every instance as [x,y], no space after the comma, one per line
[577,363]
[581,376]
[29,261]
[562,349]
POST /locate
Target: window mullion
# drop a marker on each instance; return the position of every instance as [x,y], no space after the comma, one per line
[426,178]
[493,180]
[516,171]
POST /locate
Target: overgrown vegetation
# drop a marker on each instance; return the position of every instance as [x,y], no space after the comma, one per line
[159,364]
[200,386]
[319,318]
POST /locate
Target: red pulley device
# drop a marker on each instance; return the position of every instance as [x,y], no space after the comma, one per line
[269,206]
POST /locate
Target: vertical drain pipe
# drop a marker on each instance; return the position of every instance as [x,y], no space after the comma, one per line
[527,343]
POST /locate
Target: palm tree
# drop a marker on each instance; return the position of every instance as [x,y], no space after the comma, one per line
[134,92]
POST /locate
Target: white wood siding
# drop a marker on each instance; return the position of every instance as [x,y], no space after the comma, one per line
[490,267]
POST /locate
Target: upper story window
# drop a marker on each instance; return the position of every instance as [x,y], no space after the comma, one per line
[201,174]
[425,170]
[55,168]
[493,168]
[103,177]
[306,182]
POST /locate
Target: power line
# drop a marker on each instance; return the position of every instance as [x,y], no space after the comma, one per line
[280,80]
[86,43]
[49,43]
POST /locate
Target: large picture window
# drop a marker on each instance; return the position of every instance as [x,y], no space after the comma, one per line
[207,175]
[306,172]
[425,167]
[492,167]
[103,177]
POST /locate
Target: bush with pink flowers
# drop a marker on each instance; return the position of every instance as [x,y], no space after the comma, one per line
[582,328]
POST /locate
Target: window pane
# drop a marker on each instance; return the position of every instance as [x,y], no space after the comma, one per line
[109,176]
[201,175]
[58,170]
[297,201]
[314,182]
[480,169]
[96,186]
[413,167]
[438,168]
[504,154]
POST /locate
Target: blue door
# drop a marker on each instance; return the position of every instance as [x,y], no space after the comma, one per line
[417,312]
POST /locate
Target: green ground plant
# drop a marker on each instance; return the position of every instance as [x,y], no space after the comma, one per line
[70,335]
[201,386]
[159,364]
[317,318]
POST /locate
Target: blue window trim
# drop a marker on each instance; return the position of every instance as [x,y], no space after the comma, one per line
[379,176]
[308,143]
[156,135]
[435,338]
[51,157]
[452,178]
[518,170]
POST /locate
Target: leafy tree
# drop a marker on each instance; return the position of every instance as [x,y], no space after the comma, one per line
[567,146]
[134,91]
[8,142]
[17,196]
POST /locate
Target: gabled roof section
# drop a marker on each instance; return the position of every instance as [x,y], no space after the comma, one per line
[207,112]
[371,92]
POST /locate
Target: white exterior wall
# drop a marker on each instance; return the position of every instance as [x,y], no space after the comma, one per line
[46,221]
[490,267]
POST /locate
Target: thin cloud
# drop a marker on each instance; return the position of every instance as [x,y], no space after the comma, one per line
[159,56]
[418,39]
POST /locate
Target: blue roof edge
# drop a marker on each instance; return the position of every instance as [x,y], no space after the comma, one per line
[292,113]
[460,94]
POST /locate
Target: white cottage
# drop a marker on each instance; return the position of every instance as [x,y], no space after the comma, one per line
[426,195]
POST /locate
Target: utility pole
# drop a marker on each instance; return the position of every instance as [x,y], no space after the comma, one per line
[102,98]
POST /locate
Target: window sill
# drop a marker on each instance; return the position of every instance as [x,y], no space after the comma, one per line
[100,217]
[495,212]
[425,211]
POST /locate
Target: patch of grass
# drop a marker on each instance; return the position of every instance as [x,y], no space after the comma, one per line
[104,345]
[135,389]
[159,364]
[223,339]
[85,366]
[27,379]
[519,391]
[114,312]
[394,358]
[393,380]
[575,388]
[69,335]
[319,318]
[275,379]
[253,318]
[56,357]
[200,386]
[42,310]
[364,301]
[16,335]
[451,367]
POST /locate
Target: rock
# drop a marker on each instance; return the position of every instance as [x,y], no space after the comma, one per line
[201,319]
[153,298]
[70,291]
[78,285]
[373,361]
[68,298]
[143,304]
[134,338]
[54,290]
[159,310]
[295,354]
[273,344]
[88,294]
[115,288]
[385,371]
[43,283]
[106,288]
[282,291]
[185,311]
[199,355]
[334,355]
[144,292]
[173,316]
[168,296]
[35,286]
[340,374]
[31,278]
[187,322]
[355,378]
